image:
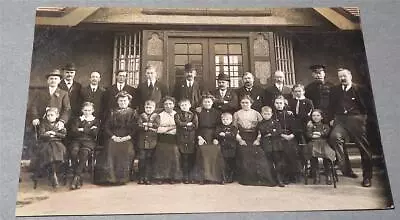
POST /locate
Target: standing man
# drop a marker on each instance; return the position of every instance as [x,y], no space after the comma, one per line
[110,101]
[277,89]
[348,114]
[189,88]
[255,92]
[225,99]
[151,89]
[94,93]
[319,90]
[73,88]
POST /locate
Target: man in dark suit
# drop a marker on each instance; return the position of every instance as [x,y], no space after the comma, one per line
[348,114]
[277,89]
[318,91]
[255,92]
[94,93]
[73,88]
[151,89]
[51,97]
[189,88]
[110,102]
[225,99]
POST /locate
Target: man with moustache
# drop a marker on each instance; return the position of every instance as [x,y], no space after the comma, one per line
[189,88]
[94,93]
[225,99]
[348,115]
[151,89]
[319,90]
[254,91]
[277,89]
[73,88]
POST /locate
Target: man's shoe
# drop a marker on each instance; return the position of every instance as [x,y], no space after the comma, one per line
[366,183]
[328,179]
[351,175]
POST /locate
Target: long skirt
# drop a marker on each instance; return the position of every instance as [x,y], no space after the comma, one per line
[210,164]
[51,152]
[114,163]
[167,159]
[253,167]
[319,148]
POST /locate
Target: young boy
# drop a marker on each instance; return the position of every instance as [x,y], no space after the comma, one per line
[148,122]
[269,135]
[226,137]
[289,142]
[301,108]
[186,125]
[84,132]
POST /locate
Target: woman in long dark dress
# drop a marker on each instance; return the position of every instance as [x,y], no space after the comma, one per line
[167,161]
[253,168]
[209,167]
[114,162]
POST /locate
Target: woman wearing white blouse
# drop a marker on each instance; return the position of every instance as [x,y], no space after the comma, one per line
[167,167]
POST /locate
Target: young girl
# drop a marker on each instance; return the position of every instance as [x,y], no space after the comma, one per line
[186,124]
[253,167]
[83,133]
[52,150]
[289,142]
[319,147]
[114,163]
[148,124]
[209,166]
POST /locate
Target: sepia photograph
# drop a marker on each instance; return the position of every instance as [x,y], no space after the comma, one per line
[200,110]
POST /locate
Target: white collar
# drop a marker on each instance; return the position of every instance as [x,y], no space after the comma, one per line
[279,86]
[348,86]
[189,82]
[68,83]
[301,98]
[94,87]
[120,85]
[151,81]
[90,118]
[52,90]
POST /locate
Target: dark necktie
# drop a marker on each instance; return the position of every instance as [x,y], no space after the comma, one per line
[297,106]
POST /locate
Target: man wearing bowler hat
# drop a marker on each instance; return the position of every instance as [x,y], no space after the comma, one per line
[189,88]
[72,87]
[225,99]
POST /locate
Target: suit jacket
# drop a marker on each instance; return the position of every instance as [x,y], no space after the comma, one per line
[148,138]
[228,141]
[156,94]
[304,114]
[74,94]
[271,92]
[97,98]
[230,98]
[319,94]
[256,93]
[110,102]
[194,94]
[186,134]
[59,100]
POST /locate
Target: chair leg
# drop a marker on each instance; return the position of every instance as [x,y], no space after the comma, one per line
[334,174]
[306,170]
[92,157]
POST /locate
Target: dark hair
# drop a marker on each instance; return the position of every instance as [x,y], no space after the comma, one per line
[170,98]
[184,100]
[248,98]
[298,85]
[120,71]
[207,96]
[123,94]
[317,110]
[281,97]
[147,102]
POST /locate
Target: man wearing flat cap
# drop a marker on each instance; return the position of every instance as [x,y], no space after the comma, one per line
[72,87]
[52,96]
[225,99]
[319,90]
[189,88]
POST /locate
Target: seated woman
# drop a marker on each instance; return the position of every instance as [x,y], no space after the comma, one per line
[167,161]
[114,162]
[253,168]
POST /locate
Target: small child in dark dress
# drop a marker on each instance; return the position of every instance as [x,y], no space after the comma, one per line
[148,122]
[52,151]
[186,125]
[318,147]
[270,138]
[226,137]
[84,130]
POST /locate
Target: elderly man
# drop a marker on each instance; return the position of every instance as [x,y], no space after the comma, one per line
[151,88]
[254,91]
[277,89]
[225,99]
[72,87]
[94,93]
[51,97]
[348,114]
[110,102]
[189,88]
[318,91]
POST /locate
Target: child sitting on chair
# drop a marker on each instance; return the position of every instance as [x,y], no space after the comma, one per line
[84,131]
[319,147]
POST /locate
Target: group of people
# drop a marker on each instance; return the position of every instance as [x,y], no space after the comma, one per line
[252,135]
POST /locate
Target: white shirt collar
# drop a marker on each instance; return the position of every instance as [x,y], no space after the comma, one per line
[69,84]
[89,118]
[301,98]
[189,83]
[279,86]
[52,90]
[120,85]
[348,86]
[94,87]
[151,81]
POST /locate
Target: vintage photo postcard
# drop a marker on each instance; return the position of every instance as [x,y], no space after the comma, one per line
[199,110]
